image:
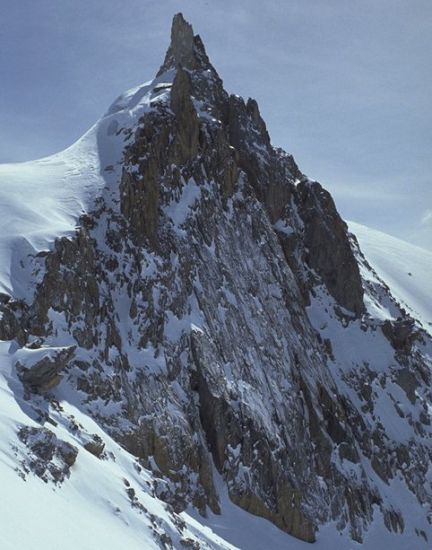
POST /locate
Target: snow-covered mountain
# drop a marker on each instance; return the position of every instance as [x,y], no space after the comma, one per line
[194,351]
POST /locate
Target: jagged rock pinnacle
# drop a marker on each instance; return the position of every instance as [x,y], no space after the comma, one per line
[182,40]
[185,50]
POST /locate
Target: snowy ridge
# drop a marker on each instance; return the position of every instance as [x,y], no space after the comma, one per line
[40,201]
[44,199]
[405,268]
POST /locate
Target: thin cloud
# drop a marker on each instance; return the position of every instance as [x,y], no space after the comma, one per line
[427,217]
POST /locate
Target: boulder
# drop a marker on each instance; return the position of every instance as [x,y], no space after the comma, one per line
[46,373]
[49,457]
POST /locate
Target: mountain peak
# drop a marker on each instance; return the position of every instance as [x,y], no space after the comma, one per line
[186,49]
[188,292]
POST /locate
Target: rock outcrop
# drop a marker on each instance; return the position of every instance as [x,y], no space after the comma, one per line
[49,458]
[45,373]
[95,446]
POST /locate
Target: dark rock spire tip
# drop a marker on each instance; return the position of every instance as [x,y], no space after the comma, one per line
[185,50]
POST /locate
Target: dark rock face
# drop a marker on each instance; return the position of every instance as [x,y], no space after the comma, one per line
[200,292]
[49,458]
[71,266]
[95,446]
[401,333]
[329,252]
[45,374]
[10,326]
[183,48]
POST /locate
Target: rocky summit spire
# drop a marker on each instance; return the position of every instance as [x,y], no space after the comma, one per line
[185,49]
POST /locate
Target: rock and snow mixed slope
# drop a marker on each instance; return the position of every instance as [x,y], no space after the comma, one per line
[98,498]
[188,324]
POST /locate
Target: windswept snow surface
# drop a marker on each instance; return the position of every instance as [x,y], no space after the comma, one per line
[41,200]
[405,268]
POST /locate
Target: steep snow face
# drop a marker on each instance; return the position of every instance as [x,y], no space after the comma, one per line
[40,201]
[210,314]
[405,268]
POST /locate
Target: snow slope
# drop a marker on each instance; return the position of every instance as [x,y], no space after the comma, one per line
[42,200]
[405,268]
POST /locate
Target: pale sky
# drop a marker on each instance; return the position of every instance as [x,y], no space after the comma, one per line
[344,85]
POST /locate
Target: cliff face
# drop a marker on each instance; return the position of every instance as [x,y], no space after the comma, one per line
[213,314]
